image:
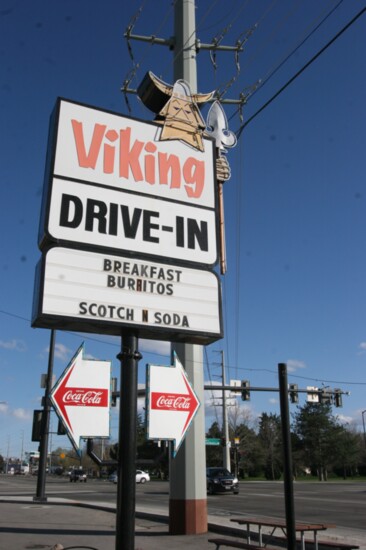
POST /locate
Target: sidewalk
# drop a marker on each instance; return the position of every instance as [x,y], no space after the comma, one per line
[25,525]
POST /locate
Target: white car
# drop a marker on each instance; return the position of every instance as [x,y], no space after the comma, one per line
[141,477]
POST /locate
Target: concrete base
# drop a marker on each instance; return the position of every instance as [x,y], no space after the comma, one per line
[187,517]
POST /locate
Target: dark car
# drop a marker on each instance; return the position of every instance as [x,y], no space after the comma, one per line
[78,475]
[220,480]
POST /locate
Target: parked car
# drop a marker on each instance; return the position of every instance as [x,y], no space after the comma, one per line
[141,477]
[220,480]
[78,475]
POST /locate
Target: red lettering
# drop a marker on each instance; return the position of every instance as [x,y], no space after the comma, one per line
[133,162]
[88,160]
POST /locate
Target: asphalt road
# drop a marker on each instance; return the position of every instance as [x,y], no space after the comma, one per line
[342,503]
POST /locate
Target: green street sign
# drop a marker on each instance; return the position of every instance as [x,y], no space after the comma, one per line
[213,441]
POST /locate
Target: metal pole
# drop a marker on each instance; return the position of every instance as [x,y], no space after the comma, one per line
[126,470]
[364,429]
[287,458]
[225,426]
[45,423]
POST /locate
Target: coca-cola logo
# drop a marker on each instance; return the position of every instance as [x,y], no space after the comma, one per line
[89,397]
[171,401]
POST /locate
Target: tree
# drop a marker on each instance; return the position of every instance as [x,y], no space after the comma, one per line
[317,430]
[214,452]
[348,452]
[271,440]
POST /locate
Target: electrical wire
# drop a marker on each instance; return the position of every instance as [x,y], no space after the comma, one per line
[296,75]
[272,72]
[230,367]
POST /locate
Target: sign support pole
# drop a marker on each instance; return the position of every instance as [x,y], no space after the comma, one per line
[126,470]
[43,446]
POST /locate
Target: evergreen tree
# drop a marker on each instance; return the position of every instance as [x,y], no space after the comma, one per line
[271,441]
[317,430]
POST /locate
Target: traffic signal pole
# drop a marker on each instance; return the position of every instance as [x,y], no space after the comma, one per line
[45,426]
[188,494]
[287,458]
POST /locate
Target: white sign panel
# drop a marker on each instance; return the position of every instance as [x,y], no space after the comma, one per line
[86,214]
[113,184]
[171,402]
[81,290]
[81,398]
[124,153]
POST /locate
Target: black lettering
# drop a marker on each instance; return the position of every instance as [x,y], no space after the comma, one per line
[73,220]
[83,308]
[180,231]
[107,265]
[117,266]
[96,210]
[111,281]
[113,219]
[130,226]
[148,226]
[197,233]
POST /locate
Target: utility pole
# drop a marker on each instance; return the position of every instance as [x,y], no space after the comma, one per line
[225,427]
[188,492]
[225,424]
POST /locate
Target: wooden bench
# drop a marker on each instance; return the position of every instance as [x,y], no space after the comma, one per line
[336,544]
[237,544]
[323,543]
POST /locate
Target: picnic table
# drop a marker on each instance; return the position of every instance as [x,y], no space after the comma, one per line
[278,523]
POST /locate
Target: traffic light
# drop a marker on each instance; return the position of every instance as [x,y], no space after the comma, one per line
[223,442]
[36,427]
[114,393]
[325,396]
[245,393]
[294,396]
[338,397]
[61,430]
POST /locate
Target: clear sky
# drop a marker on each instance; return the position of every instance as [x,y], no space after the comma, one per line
[295,290]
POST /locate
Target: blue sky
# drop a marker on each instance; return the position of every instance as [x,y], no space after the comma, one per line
[295,290]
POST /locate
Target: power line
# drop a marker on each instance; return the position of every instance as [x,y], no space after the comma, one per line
[271,73]
[230,367]
[239,132]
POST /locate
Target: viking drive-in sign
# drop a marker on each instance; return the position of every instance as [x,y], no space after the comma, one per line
[128,230]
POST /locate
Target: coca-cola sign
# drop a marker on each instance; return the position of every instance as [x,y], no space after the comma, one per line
[171,403]
[167,402]
[92,398]
[81,398]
